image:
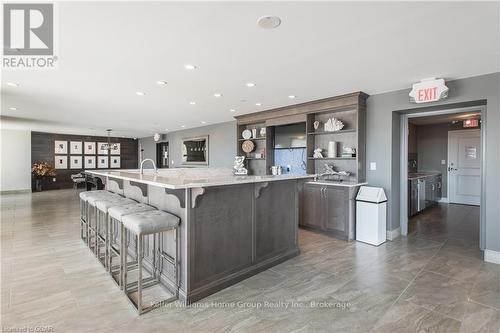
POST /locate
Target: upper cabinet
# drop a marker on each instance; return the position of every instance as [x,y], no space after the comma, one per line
[334,127]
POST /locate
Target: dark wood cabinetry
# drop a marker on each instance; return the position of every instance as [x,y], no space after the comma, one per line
[349,108]
[329,208]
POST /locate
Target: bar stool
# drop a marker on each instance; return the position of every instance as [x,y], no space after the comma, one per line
[115,215]
[84,196]
[100,229]
[149,223]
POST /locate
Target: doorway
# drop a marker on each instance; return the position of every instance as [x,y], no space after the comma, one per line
[162,155]
[464,170]
[455,162]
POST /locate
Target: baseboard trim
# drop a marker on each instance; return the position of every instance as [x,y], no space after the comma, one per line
[444,200]
[492,256]
[28,190]
[393,234]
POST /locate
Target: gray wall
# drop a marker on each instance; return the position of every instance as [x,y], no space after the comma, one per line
[221,141]
[148,147]
[15,161]
[383,145]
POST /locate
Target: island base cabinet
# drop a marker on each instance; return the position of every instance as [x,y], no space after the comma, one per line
[329,209]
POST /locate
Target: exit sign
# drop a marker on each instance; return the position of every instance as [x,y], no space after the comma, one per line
[428,90]
[471,123]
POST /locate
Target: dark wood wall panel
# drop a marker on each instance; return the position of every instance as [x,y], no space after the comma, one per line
[42,150]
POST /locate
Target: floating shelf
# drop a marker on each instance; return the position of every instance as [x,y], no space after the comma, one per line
[255,159]
[288,148]
[331,133]
[259,138]
[331,158]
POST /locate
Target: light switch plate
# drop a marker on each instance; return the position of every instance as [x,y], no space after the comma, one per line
[373,165]
[443,162]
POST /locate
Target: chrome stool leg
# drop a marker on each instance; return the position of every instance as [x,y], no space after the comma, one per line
[166,222]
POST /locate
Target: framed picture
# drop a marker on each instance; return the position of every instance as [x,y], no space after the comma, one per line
[75,147]
[61,161]
[89,148]
[60,147]
[102,162]
[115,161]
[90,161]
[115,149]
[100,148]
[75,162]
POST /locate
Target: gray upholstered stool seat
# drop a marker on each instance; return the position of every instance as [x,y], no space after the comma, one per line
[85,194]
[106,203]
[150,222]
[117,212]
[92,198]
[142,224]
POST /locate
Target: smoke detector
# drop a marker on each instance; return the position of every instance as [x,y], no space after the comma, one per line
[269,22]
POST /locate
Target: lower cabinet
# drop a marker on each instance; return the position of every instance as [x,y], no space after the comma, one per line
[329,208]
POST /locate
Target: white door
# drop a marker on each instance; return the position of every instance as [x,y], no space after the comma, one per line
[464,167]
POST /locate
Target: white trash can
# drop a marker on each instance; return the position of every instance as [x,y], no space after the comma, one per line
[371,215]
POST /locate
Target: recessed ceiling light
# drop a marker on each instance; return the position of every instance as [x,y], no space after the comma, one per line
[13,84]
[190,67]
[161,83]
[250,84]
[140,93]
[291,96]
[217,95]
[269,22]
[258,104]
[13,108]
[203,122]
[166,129]
[183,126]
[192,103]
[232,110]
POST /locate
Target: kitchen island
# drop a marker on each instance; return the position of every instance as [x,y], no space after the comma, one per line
[232,227]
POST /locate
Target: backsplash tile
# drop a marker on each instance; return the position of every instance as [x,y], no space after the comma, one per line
[295,158]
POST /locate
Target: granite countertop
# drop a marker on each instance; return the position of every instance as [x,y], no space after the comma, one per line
[184,178]
[418,175]
[337,183]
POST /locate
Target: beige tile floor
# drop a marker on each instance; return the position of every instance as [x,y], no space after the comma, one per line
[432,281]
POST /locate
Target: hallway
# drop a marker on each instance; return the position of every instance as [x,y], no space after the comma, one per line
[455,224]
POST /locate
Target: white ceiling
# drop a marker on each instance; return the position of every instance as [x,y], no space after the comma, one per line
[110,50]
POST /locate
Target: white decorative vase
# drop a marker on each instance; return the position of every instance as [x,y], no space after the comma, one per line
[332,149]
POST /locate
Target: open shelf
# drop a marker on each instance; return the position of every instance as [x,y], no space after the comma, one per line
[255,158]
[288,148]
[331,158]
[330,133]
[259,138]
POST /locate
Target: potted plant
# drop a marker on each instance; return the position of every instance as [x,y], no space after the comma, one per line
[40,171]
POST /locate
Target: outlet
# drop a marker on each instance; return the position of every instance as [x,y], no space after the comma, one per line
[443,162]
[288,168]
[172,162]
[373,166]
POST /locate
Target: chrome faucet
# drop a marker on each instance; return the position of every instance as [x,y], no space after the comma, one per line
[142,165]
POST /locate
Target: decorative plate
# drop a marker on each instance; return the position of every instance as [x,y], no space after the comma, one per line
[247,146]
[247,134]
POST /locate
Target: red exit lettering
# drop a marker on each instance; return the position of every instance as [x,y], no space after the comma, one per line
[427,94]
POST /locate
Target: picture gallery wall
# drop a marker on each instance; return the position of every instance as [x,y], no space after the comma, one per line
[71,154]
